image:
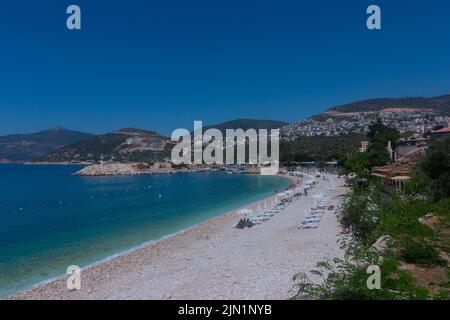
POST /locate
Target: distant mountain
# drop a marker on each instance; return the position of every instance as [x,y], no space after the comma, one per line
[124,145]
[441,103]
[26,147]
[245,124]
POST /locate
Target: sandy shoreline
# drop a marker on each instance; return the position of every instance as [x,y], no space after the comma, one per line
[211,260]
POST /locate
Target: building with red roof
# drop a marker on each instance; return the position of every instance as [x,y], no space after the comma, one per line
[442,133]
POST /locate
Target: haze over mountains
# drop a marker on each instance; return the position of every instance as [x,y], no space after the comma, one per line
[415,115]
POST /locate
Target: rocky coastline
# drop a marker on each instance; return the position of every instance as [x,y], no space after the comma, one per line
[116,169]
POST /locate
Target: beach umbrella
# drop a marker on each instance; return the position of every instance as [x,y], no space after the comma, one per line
[245,212]
[282,196]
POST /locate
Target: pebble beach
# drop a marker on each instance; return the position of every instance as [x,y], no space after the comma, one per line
[214,260]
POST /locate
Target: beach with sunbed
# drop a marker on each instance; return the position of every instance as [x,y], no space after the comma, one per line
[249,253]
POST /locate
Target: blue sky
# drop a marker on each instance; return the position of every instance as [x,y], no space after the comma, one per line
[161,64]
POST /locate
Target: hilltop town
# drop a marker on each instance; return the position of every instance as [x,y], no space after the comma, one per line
[407,115]
[407,121]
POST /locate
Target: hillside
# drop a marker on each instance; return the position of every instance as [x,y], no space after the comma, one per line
[319,148]
[247,124]
[136,145]
[407,115]
[125,145]
[441,103]
[26,147]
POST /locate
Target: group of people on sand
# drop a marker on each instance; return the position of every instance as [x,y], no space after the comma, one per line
[244,223]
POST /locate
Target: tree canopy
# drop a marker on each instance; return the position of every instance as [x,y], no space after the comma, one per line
[432,174]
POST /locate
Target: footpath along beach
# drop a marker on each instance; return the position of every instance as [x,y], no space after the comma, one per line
[214,260]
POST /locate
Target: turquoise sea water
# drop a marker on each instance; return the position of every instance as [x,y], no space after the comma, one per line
[50,219]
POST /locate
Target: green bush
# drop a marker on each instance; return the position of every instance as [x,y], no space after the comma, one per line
[420,253]
[433,172]
[401,219]
[346,279]
[362,212]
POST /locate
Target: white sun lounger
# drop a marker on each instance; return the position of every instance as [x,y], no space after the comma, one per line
[312,219]
[309,226]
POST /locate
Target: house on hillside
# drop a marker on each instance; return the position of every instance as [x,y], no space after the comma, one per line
[410,149]
[441,134]
[364,146]
[395,174]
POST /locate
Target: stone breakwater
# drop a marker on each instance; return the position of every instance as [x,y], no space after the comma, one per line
[116,169]
[109,170]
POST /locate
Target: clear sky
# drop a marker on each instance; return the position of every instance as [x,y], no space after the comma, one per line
[160,64]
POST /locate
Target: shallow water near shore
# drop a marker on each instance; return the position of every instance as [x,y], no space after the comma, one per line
[50,219]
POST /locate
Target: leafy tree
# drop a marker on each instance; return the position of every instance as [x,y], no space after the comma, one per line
[377,155]
[362,211]
[379,135]
[375,127]
[318,148]
[356,162]
[432,175]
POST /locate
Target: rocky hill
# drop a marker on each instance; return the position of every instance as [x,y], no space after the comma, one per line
[26,147]
[125,145]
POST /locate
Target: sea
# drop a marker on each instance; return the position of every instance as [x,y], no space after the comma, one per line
[51,219]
